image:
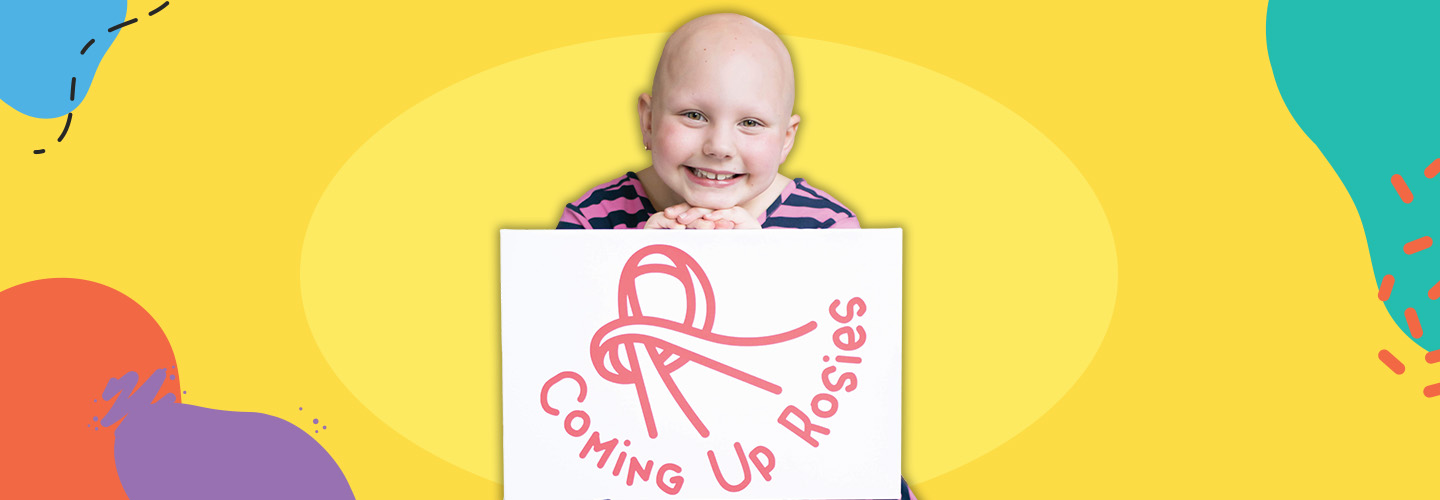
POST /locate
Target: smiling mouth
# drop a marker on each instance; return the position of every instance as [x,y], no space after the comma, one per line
[705,174]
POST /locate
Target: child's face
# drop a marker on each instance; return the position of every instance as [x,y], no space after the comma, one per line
[719,123]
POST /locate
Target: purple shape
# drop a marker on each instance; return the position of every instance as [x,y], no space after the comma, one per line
[316,421]
[177,451]
[323,427]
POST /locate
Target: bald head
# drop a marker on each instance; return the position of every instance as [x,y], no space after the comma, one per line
[718,39]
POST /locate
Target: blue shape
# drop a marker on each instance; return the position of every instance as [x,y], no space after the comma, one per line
[1363,81]
[40,42]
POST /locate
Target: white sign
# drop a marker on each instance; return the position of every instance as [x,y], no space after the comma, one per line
[701,364]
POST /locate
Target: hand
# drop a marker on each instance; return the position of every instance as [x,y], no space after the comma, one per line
[662,221]
[732,218]
[690,217]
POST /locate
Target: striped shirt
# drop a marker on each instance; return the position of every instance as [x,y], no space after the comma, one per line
[622,204]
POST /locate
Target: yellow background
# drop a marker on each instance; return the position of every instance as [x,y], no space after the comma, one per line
[1240,357]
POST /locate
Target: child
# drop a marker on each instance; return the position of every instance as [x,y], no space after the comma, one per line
[718,124]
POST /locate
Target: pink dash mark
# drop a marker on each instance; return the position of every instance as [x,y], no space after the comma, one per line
[1402,189]
[1432,357]
[1432,390]
[1417,245]
[1386,284]
[1414,321]
[1394,364]
[1433,169]
[617,347]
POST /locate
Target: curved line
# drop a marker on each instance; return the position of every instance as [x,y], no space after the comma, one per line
[160,8]
[68,116]
[87,46]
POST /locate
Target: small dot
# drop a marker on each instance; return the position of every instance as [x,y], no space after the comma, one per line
[627,442]
[316,421]
[317,431]
[324,427]
[826,359]
[184,392]
[172,377]
[94,419]
[302,408]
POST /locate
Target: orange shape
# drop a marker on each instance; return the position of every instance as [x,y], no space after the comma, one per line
[1417,245]
[64,339]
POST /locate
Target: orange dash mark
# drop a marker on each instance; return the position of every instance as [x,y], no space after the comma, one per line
[1402,189]
[1432,357]
[1432,390]
[1386,284]
[1434,292]
[1390,361]
[1433,169]
[1417,245]
[1413,321]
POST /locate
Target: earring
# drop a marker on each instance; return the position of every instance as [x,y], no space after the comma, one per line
[647,147]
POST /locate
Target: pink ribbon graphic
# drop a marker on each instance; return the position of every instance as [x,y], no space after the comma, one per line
[615,349]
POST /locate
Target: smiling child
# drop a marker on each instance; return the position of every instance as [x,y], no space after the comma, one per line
[718,124]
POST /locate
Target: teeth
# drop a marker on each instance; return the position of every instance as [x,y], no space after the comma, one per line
[713,177]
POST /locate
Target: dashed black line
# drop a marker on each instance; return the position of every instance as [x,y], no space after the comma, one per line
[122,25]
[71,116]
[68,116]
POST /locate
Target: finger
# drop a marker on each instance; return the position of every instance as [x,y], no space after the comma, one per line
[725,224]
[675,211]
[701,224]
[692,215]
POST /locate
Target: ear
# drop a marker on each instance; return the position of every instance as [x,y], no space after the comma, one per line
[645,119]
[790,137]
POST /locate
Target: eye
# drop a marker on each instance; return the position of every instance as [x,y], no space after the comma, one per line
[751,122]
[694,115]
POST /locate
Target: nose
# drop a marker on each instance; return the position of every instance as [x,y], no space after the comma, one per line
[719,144]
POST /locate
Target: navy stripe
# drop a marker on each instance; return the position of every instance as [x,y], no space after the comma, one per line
[569,225]
[832,205]
[620,218]
[904,490]
[623,191]
[808,202]
[797,223]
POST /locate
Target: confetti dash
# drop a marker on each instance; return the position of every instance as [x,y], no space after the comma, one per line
[1394,364]
[1417,245]
[1414,321]
[1432,390]
[1433,169]
[1402,189]
[1386,284]
[1432,357]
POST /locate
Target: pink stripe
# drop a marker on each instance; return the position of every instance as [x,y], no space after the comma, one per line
[806,212]
[605,207]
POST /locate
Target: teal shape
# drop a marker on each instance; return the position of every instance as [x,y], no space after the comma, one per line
[1362,79]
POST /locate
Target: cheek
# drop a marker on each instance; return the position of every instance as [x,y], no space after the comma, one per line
[676,144]
[762,154]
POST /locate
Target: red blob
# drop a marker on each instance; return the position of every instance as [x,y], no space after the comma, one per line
[61,341]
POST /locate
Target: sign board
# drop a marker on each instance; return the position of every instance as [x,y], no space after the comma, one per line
[701,364]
